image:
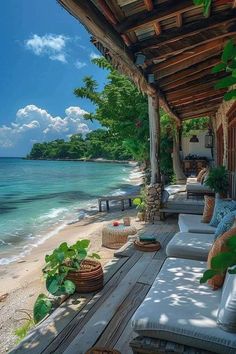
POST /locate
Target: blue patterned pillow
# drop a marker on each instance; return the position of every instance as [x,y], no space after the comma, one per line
[225,224]
[222,207]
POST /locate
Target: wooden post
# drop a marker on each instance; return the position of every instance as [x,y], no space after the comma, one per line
[155,132]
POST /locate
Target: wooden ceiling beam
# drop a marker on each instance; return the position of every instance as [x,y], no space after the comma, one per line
[208,78]
[179,20]
[162,12]
[234,4]
[184,74]
[195,107]
[188,30]
[149,4]
[200,50]
[192,90]
[231,31]
[157,28]
[201,98]
[197,97]
[199,115]
[186,63]
[185,80]
[201,103]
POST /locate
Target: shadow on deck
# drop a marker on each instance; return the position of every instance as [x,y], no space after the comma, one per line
[103,319]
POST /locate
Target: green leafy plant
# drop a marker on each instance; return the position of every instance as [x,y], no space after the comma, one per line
[23,330]
[227,64]
[206,5]
[140,205]
[42,307]
[222,262]
[218,180]
[63,260]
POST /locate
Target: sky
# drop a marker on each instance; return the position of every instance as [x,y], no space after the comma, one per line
[45,53]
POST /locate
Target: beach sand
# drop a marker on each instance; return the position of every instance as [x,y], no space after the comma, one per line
[22,281]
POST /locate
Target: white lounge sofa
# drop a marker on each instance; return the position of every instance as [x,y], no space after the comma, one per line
[190,246]
[178,309]
[193,223]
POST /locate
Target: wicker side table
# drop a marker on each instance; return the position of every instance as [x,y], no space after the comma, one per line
[116,236]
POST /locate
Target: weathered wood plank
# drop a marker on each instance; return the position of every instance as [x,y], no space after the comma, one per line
[189,30]
[73,328]
[162,12]
[123,315]
[151,272]
[54,325]
[92,329]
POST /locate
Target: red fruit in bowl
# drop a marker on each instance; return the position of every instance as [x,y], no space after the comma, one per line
[115,223]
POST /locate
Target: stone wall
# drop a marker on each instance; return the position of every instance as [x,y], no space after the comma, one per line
[154,195]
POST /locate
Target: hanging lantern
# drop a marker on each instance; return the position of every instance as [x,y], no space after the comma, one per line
[140,59]
[209,139]
[194,139]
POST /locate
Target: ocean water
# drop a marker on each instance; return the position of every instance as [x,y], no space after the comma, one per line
[38,196]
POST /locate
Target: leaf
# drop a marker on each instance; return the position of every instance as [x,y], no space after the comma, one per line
[230,95]
[82,253]
[207,6]
[219,67]
[42,308]
[63,247]
[95,255]
[231,243]
[68,287]
[228,52]
[222,261]
[197,2]
[225,82]
[208,274]
[84,243]
[52,284]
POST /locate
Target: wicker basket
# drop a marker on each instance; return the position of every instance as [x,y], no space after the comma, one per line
[102,351]
[89,277]
[147,247]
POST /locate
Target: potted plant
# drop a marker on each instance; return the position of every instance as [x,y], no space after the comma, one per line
[141,207]
[68,270]
[218,181]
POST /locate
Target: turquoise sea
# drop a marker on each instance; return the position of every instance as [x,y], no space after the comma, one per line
[38,196]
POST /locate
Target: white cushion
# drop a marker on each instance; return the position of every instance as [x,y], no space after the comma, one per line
[192,180]
[194,222]
[197,187]
[226,318]
[190,246]
[177,308]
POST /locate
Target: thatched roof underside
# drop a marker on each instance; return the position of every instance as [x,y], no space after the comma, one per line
[180,46]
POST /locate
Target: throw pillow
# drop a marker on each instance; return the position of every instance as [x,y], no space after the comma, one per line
[200,174]
[219,246]
[225,224]
[222,207]
[203,177]
[208,208]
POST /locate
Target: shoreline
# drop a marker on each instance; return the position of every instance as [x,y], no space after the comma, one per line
[22,281]
[99,160]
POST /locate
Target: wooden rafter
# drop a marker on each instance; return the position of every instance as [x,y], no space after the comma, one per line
[199,96]
[179,20]
[164,11]
[182,75]
[157,28]
[149,4]
[234,4]
[187,31]
[187,46]
[184,63]
[121,56]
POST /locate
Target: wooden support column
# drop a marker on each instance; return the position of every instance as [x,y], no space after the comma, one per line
[155,132]
[154,190]
[177,165]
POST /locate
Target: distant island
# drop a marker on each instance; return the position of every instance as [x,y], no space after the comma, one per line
[98,145]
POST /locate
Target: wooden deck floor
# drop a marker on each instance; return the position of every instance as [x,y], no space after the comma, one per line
[103,319]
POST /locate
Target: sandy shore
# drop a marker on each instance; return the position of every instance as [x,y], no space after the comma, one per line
[22,281]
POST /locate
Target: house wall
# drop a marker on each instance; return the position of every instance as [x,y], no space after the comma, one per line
[196,148]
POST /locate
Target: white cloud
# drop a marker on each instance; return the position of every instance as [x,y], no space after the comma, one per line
[51,45]
[94,55]
[80,64]
[36,124]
